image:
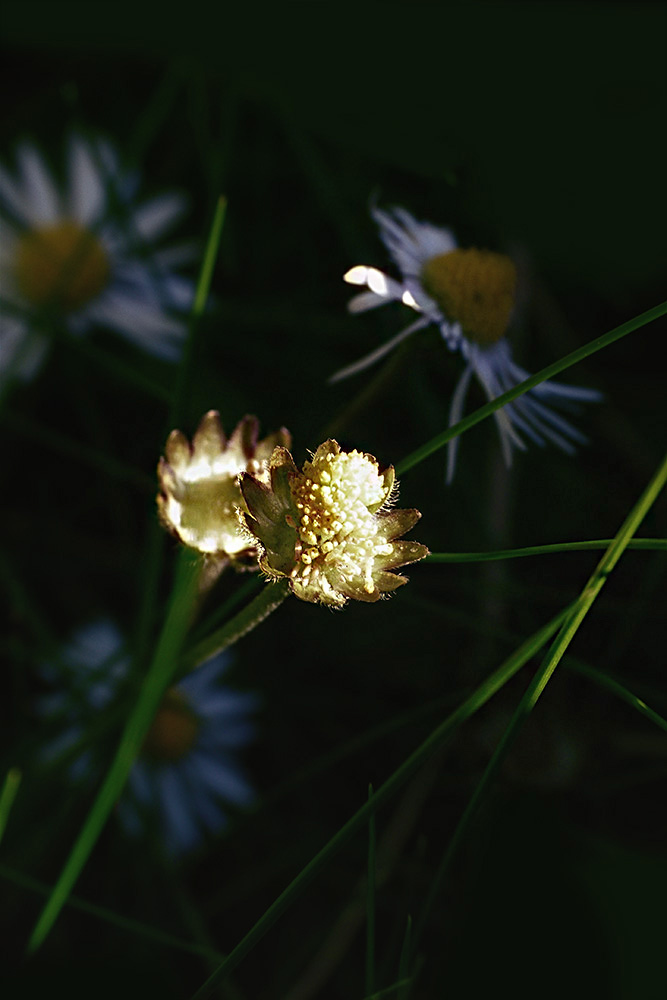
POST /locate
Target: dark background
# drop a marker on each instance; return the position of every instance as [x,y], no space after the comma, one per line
[534,129]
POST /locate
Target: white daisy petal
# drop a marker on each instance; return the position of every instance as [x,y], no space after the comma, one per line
[180,830]
[143,324]
[221,777]
[152,219]
[457,303]
[211,816]
[129,285]
[379,352]
[455,413]
[365,301]
[176,792]
[8,238]
[39,191]
[22,350]
[87,193]
[13,198]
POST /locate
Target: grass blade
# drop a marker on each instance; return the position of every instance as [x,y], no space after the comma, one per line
[618,689]
[567,632]
[7,796]
[160,673]
[440,440]
[493,683]
[657,544]
[404,961]
[109,916]
[370,902]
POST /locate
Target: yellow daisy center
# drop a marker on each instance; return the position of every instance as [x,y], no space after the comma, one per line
[63,265]
[174,730]
[333,500]
[474,288]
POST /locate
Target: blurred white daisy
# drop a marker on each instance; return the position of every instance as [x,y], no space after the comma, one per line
[470,295]
[187,771]
[85,255]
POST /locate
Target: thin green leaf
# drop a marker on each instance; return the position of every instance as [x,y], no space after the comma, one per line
[370,902]
[389,990]
[567,632]
[198,306]
[618,689]
[102,913]
[404,961]
[597,344]
[155,542]
[7,796]
[269,598]
[472,704]
[159,676]
[658,544]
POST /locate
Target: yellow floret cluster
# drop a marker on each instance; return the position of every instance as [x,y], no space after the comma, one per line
[336,499]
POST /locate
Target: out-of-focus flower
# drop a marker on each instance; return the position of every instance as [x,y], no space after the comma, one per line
[200,498]
[470,295]
[329,529]
[86,256]
[187,770]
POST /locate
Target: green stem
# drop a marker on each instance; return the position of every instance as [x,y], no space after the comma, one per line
[472,704]
[568,629]
[198,307]
[659,544]
[159,675]
[7,796]
[370,902]
[268,599]
[116,919]
[440,440]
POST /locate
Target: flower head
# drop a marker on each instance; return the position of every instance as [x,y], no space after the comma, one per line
[199,495]
[470,295]
[187,769]
[85,256]
[328,528]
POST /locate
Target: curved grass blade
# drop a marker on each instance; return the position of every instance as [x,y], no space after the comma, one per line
[7,796]
[493,683]
[618,689]
[654,544]
[109,916]
[198,306]
[160,673]
[154,544]
[440,440]
[370,902]
[568,630]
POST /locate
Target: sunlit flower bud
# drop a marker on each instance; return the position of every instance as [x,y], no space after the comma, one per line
[328,528]
[199,495]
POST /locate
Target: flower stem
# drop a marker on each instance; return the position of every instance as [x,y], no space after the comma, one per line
[493,683]
[659,544]
[268,599]
[160,674]
[440,440]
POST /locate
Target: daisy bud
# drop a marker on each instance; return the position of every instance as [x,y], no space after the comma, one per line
[199,495]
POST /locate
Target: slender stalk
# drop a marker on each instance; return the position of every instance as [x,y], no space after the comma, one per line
[440,440]
[109,916]
[7,796]
[659,544]
[159,675]
[567,632]
[268,599]
[370,902]
[198,307]
[472,704]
